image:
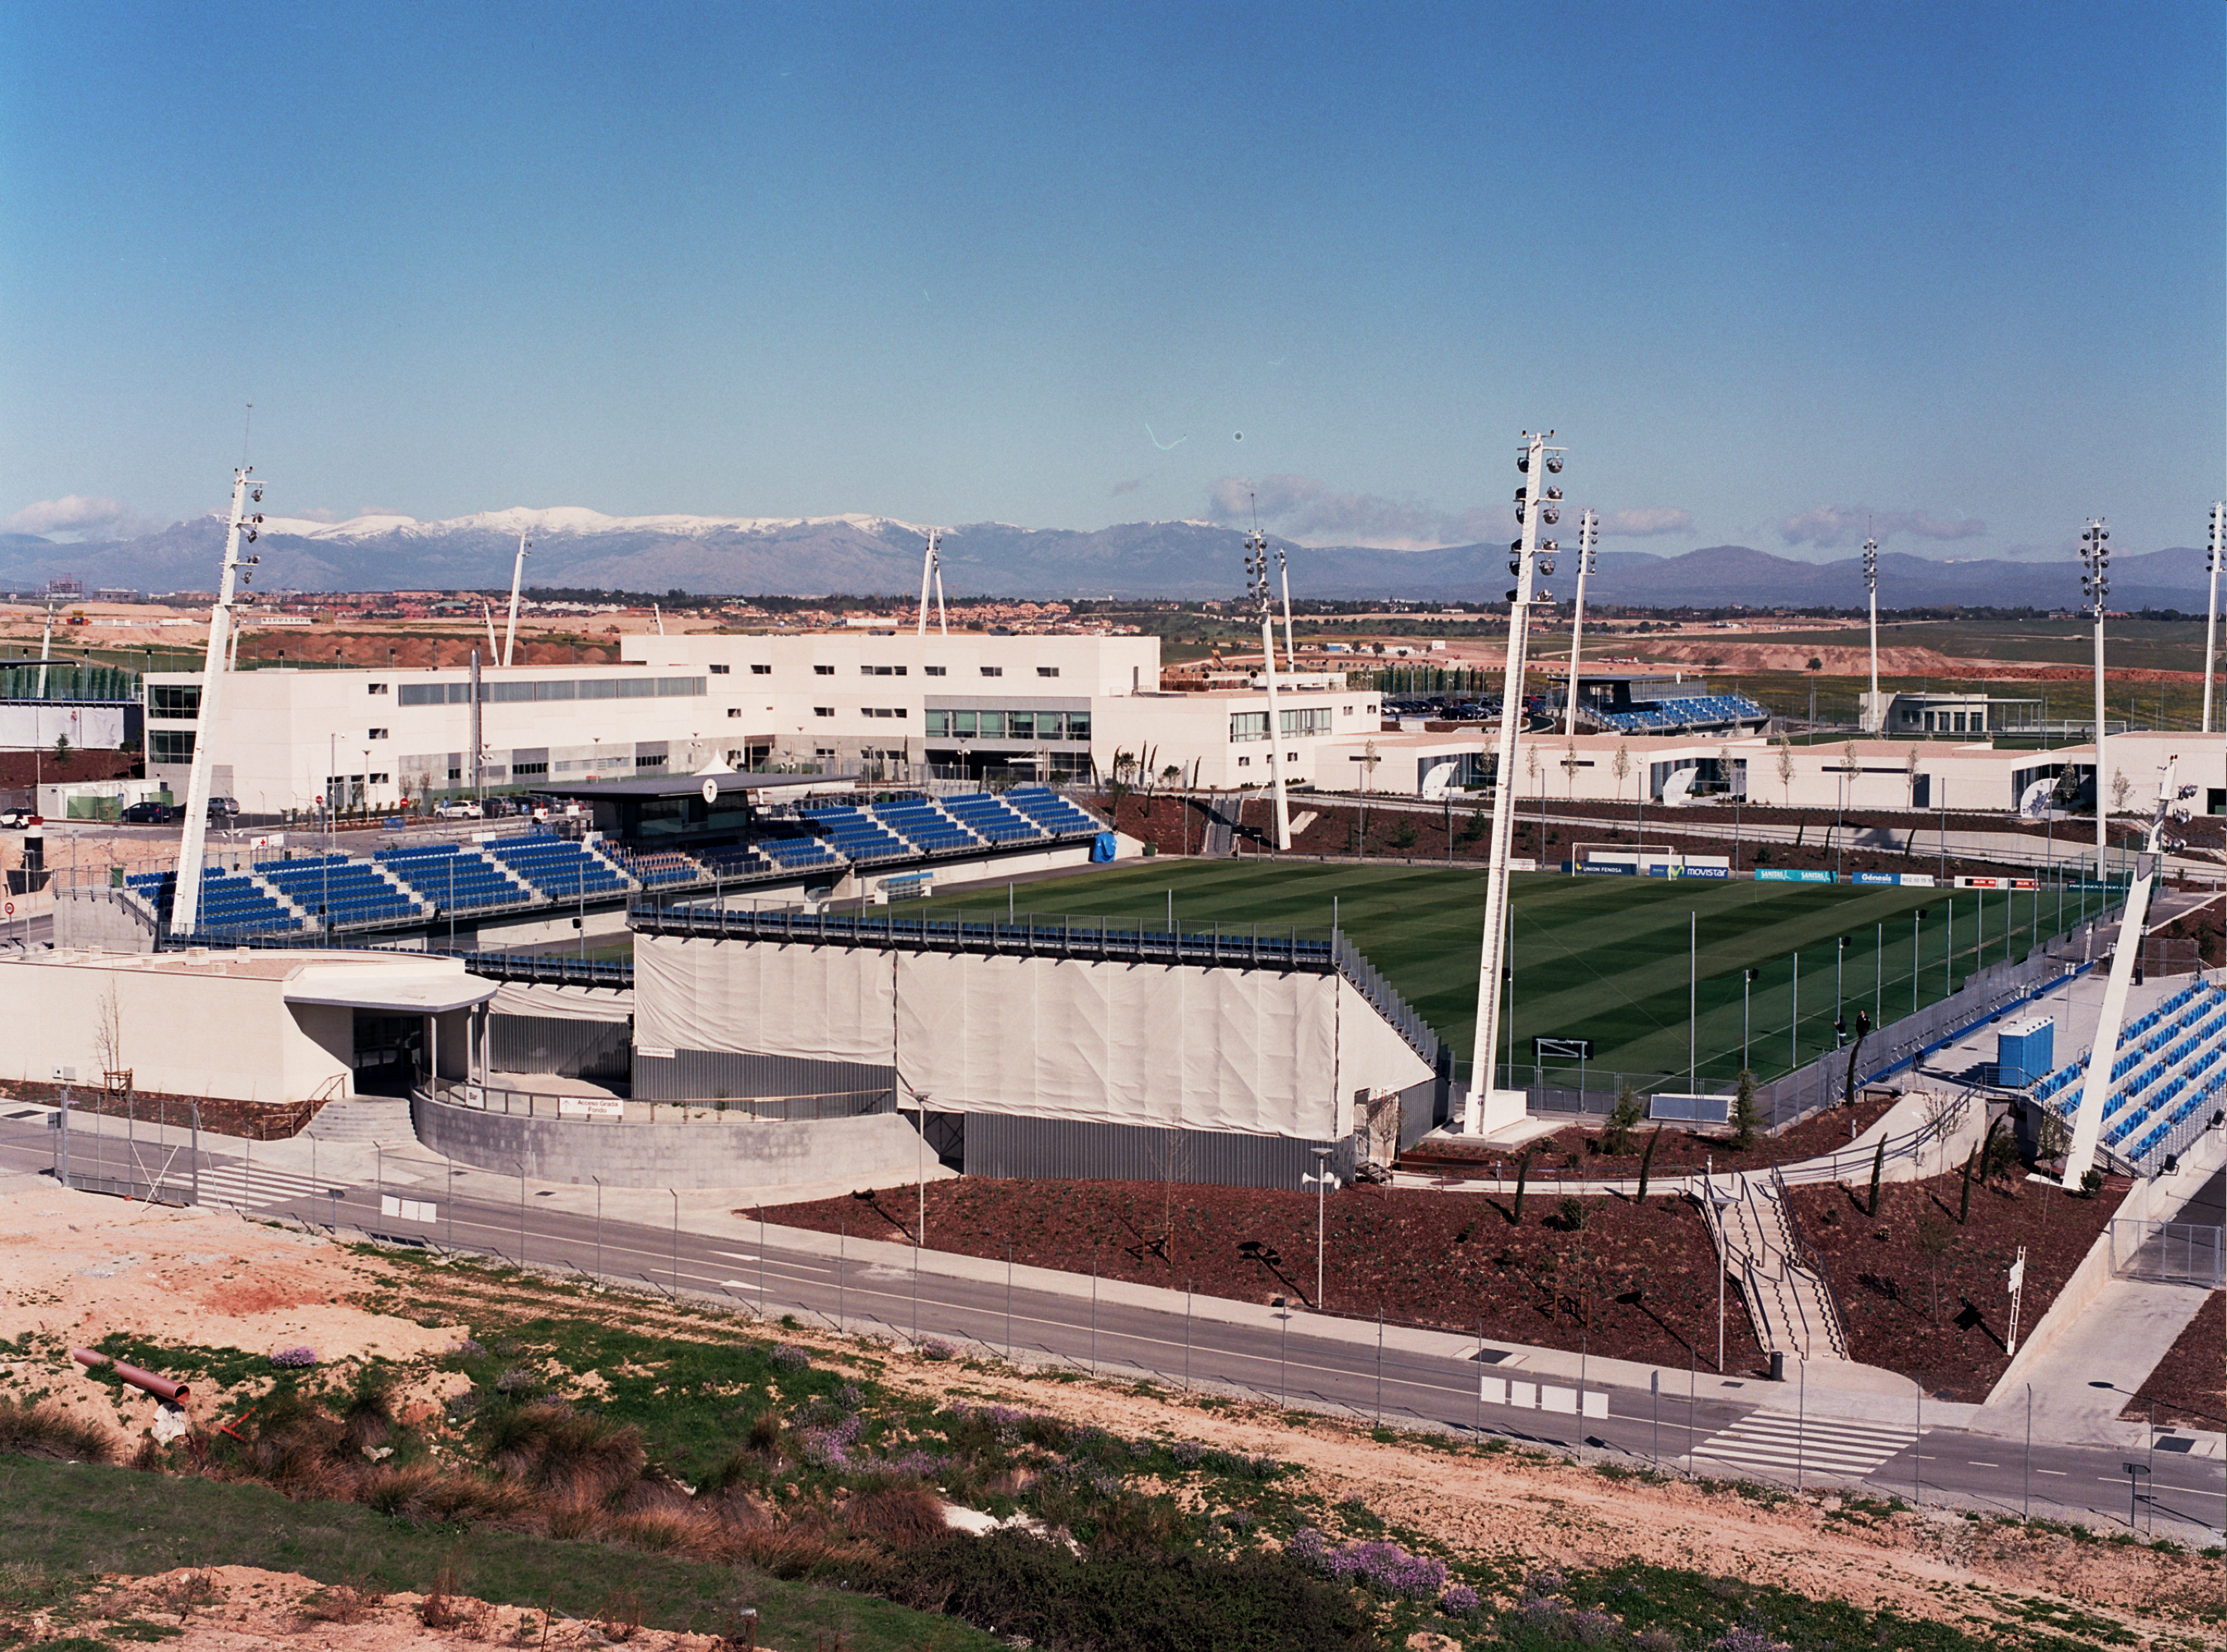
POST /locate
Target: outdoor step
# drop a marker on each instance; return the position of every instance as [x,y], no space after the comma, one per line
[362,1118]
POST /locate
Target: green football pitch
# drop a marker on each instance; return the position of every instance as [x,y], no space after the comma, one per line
[1601,958]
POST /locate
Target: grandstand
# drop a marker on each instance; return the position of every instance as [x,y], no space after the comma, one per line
[557,867]
[232,903]
[340,891]
[2166,1080]
[455,877]
[1694,714]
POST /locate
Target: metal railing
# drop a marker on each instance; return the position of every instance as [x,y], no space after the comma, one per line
[576,1109]
[2168,1252]
[1810,1258]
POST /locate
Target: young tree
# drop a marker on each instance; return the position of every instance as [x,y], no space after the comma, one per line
[1786,768]
[1747,1117]
[1522,1178]
[1933,1238]
[1621,768]
[1615,1140]
[1647,1165]
[1570,767]
[2120,786]
[1879,1173]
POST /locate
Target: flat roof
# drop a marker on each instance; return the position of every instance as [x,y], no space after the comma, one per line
[686,785]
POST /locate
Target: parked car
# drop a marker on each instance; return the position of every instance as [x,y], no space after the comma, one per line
[16,819]
[465,810]
[151,813]
[223,809]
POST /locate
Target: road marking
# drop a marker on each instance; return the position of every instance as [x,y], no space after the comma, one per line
[1776,1441]
[1973,1462]
[2059,1473]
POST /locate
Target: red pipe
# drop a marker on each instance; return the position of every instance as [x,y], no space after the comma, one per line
[161,1388]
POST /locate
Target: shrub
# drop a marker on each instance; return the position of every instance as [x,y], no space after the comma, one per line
[46,1430]
[1184,1602]
[294,1358]
[903,1517]
[789,1357]
[1459,1600]
[1571,1213]
[1385,1567]
[575,1459]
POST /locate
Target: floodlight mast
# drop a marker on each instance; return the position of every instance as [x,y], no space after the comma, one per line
[2219,549]
[1875,716]
[47,642]
[1256,573]
[1538,501]
[2095,1088]
[931,567]
[215,667]
[517,572]
[1588,535]
[1284,570]
[2095,586]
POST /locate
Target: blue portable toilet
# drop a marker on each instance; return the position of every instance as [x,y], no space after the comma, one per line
[2025,1050]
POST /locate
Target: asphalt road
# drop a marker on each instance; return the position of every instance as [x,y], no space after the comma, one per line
[1771,1439]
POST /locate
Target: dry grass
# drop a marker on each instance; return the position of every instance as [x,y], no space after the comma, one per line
[429,1495]
[46,1430]
[340,1602]
[901,1516]
[567,1458]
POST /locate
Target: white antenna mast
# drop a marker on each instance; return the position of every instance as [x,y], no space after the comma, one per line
[185,909]
[517,572]
[1588,534]
[931,568]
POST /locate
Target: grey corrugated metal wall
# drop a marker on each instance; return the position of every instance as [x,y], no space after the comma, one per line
[713,1076]
[596,1050]
[1001,1144]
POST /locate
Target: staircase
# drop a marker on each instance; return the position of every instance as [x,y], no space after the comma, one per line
[1791,1301]
[364,1119]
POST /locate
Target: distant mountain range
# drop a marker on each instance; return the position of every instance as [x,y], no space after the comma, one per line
[868,555]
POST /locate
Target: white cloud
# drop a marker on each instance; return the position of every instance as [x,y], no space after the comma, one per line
[1827,525]
[1646,521]
[73,514]
[1301,508]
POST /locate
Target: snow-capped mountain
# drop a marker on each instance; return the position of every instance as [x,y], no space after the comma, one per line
[865,555]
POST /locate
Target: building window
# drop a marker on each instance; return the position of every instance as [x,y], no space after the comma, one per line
[761,671]
[374,688]
[1047,671]
[170,746]
[823,671]
[379,780]
[521,770]
[935,671]
[823,711]
[1308,719]
[175,700]
[1249,725]
[734,710]
[374,734]
[883,710]
[881,671]
[993,671]
[722,671]
[1244,763]
[657,761]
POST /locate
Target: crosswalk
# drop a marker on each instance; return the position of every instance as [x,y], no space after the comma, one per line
[252,1187]
[1779,1441]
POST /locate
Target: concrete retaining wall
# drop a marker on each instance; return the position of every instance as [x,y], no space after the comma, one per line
[705,1153]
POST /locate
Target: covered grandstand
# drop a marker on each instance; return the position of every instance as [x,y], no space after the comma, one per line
[1650,702]
[2168,1079]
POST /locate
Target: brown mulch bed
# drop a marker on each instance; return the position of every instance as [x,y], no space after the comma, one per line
[1944,1324]
[1636,1282]
[255,1120]
[1577,1152]
[22,768]
[2190,1383]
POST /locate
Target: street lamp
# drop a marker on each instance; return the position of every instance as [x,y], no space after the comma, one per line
[2095,586]
[1324,1179]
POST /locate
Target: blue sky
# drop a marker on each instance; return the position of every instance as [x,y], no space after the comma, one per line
[1766,268]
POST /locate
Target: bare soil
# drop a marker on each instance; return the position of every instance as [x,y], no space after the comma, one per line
[1630,1281]
[1578,1150]
[1942,1319]
[2190,1383]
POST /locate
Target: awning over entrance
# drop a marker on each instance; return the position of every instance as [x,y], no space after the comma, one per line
[427,990]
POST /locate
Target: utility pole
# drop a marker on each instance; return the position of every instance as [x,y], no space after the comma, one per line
[215,667]
[1529,557]
[1588,533]
[1256,571]
[1875,714]
[2094,584]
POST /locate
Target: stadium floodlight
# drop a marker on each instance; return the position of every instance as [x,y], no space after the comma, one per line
[1875,714]
[1588,535]
[2213,558]
[2096,1087]
[2095,586]
[1256,575]
[1487,1108]
[216,666]
[931,562]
